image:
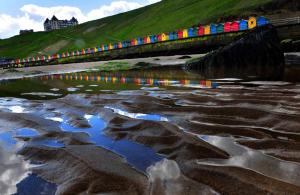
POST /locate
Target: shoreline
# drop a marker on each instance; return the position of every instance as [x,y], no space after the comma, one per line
[160,61]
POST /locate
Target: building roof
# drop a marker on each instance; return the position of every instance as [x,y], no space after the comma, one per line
[47,20]
[74,19]
[54,18]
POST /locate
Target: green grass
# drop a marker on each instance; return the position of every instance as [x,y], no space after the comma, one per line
[164,16]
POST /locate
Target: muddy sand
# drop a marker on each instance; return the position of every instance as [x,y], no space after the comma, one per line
[230,140]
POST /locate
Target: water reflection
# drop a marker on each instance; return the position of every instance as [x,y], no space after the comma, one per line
[149,117]
[252,159]
[137,155]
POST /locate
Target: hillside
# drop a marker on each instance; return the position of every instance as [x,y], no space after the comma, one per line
[164,16]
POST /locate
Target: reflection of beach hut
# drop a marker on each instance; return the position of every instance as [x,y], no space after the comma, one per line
[235,26]
[185,33]
[200,31]
[243,25]
[207,30]
[220,28]
[261,21]
[164,37]
[180,34]
[227,26]
[213,29]
[252,22]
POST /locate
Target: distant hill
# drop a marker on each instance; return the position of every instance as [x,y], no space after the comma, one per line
[164,16]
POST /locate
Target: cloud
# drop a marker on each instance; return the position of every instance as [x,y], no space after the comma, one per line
[33,15]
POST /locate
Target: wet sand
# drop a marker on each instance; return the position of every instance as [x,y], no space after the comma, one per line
[237,139]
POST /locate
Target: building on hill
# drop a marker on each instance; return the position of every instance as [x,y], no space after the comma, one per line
[54,23]
[26,31]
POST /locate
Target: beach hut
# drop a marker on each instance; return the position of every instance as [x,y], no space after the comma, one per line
[110,46]
[213,28]
[220,28]
[159,38]
[261,21]
[185,33]
[148,39]
[243,25]
[191,32]
[106,48]
[252,22]
[124,44]
[89,50]
[132,42]
[116,46]
[120,45]
[63,55]
[145,40]
[153,38]
[207,30]
[200,30]
[180,34]
[235,26]
[165,37]
[171,36]
[227,26]
[83,51]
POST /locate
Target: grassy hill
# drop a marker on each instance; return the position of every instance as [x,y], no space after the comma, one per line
[164,16]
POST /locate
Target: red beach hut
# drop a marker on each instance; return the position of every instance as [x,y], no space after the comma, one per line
[227,26]
[200,31]
[235,26]
[180,34]
[159,38]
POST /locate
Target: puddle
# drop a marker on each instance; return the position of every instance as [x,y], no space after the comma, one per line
[137,155]
[26,133]
[34,185]
[149,117]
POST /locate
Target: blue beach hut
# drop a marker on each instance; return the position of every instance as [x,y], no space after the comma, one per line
[213,29]
[115,45]
[171,35]
[191,32]
[153,38]
[261,21]
[243,25]
[140,41]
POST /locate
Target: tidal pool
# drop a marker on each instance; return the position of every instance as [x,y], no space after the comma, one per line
[136,132]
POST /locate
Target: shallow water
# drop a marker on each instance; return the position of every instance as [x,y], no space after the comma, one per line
[238,128]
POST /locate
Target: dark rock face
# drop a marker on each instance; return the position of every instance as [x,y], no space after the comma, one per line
[257,53]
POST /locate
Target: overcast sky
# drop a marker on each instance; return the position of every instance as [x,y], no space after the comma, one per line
[30,14]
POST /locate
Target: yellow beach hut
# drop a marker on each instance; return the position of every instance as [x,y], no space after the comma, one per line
[185,33]
[164,37]
[207,30]
[252,22]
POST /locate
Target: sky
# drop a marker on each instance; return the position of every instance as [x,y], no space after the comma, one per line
[31,14]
